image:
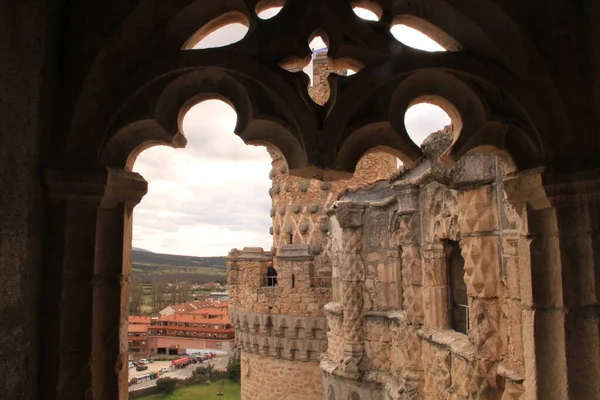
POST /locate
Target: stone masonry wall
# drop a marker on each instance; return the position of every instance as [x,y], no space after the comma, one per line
[407,347]
[266,378]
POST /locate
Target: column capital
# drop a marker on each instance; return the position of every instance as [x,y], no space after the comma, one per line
[541,188]
[105,188]
[349,213]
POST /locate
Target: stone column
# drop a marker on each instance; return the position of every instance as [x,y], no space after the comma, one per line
[435,286]
[559,281]
[83,348]
[112,268]
[480,245]
[408,239]
[349,216]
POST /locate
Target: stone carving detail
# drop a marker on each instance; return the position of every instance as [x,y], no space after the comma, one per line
[482,265]
[303,227]
[281,336]
[477,210]
[296,208]
[406,229]
[304,185]
[352,275]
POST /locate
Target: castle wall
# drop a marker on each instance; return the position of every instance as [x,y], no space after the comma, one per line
[266,378]
[391,327]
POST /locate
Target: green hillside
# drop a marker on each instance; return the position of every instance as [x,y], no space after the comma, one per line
[146,264]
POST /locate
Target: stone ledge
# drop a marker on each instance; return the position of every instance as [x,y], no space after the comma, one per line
[295,252]
[456,342]
[391,314]
[248,254]
[510,373]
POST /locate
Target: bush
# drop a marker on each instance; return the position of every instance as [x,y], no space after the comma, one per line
[166,385]
[234,371]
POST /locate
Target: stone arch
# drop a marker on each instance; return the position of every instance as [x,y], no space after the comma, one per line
[163,124]
[228,18]
[427,28]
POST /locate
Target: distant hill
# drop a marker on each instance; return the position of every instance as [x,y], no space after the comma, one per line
[146,264]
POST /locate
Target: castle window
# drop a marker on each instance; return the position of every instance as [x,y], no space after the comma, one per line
[271,278]
[458,301]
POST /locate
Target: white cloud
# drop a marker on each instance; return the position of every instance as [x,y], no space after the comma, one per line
[209,197]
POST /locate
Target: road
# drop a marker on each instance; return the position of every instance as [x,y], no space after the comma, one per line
[219,362]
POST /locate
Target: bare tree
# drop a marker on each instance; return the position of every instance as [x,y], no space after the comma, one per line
[135,300]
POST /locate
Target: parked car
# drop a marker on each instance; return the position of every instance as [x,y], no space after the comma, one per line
[141,368]
[163,370]
[143,361]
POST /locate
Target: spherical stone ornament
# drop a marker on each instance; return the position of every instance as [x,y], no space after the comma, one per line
[271,230]
[277,229]
[304,227]
[304,185]
[272,173]
[272,213]
[296,208]
[316,249]
[325,185]
[276,188]
[324,225]
[288,186]
[313,208]
[283,169]
[289,228]
[281,209]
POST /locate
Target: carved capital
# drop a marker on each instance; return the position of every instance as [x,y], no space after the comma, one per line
[123,187]
[349,214]
[105,188]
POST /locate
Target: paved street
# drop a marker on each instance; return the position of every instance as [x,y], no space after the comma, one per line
[219,362]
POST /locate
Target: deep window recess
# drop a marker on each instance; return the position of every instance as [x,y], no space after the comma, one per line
[458,301]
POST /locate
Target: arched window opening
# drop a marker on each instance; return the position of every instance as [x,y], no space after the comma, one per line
[414,38]
[423,119]
[269,13]
[222,36]
[365,14]
[458,301]
[190,219]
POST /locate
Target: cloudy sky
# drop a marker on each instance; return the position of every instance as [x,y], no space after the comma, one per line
[213,195]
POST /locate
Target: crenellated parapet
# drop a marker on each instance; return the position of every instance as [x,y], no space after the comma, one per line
[281,336]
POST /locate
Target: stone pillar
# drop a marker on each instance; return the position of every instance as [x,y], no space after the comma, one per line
[85,295]
[435,286]
[349,216]
[408,238]
[112,268]
[480,245]
[559,281]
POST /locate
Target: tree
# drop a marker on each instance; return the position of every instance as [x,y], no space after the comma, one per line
[166,385]
[157,295]
[135,300]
